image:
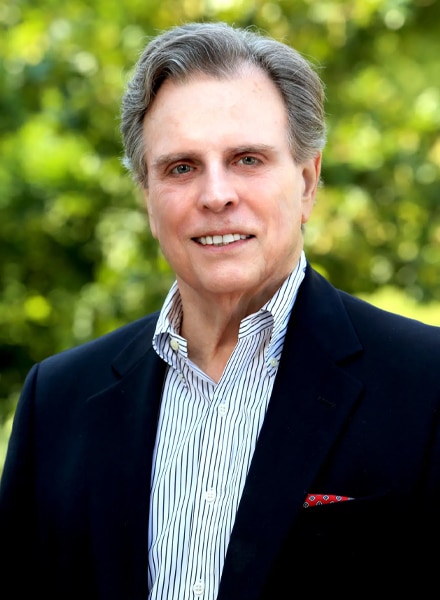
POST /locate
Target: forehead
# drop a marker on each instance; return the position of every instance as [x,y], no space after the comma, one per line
[214,108]
[247,80]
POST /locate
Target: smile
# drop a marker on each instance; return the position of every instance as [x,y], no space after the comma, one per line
[221,240]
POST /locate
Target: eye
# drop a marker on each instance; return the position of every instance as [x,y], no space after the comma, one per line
[248,161]
[181,169]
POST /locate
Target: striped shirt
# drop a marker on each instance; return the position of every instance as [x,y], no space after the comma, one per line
[206,437]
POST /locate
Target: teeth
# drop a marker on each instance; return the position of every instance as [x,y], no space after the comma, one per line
[221,240]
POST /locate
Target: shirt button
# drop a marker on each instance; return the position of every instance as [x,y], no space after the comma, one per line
[210,495]
[273,362]
[174,344]
[222,409]
[198,588]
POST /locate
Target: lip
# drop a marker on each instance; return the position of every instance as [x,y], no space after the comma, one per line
[217,239]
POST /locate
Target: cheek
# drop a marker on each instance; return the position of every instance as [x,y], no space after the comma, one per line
[165,223]
[157,212]
[288,211]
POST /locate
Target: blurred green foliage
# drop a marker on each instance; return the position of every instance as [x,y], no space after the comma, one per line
[77,257]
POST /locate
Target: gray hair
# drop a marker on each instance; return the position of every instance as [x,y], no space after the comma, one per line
[221,50]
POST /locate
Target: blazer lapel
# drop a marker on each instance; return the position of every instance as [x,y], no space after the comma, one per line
[311,401]
[121,434]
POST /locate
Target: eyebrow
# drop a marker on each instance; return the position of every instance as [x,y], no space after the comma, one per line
[252,149]
[165,159]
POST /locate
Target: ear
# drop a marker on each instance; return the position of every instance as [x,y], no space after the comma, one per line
[150,212]
[311,173]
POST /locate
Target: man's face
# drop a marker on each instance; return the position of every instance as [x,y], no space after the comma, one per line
[225,197]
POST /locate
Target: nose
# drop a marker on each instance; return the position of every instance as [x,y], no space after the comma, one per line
[217,189]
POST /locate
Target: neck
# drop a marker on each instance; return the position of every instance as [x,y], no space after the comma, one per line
[211,336]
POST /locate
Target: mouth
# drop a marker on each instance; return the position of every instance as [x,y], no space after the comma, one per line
[221,240]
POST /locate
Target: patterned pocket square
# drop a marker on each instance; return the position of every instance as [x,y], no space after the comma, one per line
[320,499]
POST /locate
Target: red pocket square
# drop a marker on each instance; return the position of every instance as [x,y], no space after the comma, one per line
[319,499]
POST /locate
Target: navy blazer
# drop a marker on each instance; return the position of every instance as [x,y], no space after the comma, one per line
[354,412]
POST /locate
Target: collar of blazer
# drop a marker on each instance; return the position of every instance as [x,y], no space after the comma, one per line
[138,347]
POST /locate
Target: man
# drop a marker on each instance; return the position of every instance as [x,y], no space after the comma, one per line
[264,435]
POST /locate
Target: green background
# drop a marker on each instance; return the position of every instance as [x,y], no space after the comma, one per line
[77,259]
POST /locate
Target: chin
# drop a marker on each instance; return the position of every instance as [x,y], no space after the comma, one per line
[231,285]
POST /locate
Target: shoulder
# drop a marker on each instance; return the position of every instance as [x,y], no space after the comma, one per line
[386,324]
[61,384]
[99,354]
[334,316]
